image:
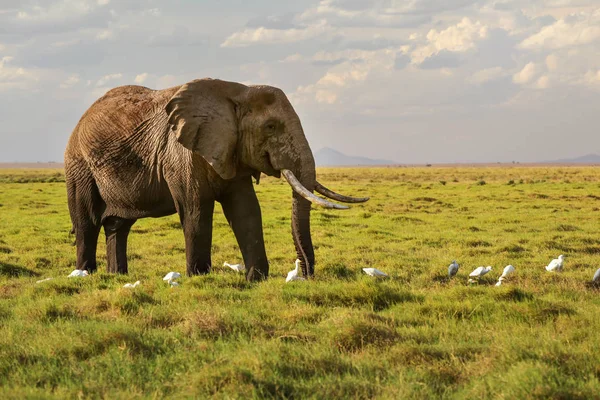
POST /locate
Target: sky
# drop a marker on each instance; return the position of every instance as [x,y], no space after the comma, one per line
[414,81]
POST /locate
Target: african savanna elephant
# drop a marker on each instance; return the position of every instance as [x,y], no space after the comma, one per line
[139,153]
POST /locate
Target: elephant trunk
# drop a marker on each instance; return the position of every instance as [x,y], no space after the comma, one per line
[301,234]
[302,178]
[301,218]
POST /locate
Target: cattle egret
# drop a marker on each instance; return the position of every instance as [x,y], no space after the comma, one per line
[43,280]
[556,265]
[374,272]
[509,269]
[294,275]
[453,269]
[171,276]
[596,277]
[78,273]
[132,285]
[480,271]
[235,267]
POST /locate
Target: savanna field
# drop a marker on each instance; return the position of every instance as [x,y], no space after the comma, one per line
[343,335]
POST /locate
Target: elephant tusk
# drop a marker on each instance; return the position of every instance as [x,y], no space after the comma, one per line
[304,192]
[339,197]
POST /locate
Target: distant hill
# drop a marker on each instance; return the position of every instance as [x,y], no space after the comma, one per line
[587,159]
[330,157]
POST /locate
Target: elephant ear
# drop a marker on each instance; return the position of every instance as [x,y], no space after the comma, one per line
[202,116]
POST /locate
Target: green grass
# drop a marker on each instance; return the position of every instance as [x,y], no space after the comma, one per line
[414,335]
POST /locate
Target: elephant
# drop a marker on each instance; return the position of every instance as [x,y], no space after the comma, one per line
[138,153]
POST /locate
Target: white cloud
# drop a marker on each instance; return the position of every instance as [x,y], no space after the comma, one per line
[580,29]
[105,34]
[456,38]
[292,58]
[66,43]
[155,12]
[107,78]
[542,82]
[13,77]
[486,75]
[167,81]
[5,60]
[59,11]
[526,74]
[70,81]
[364,14]
[141,78]
[356,68]
[592,77]
[552,62]
[262,35]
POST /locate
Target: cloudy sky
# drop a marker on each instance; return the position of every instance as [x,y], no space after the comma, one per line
[411,80]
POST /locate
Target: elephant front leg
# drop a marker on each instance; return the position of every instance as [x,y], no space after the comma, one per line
[242,211]
[197,229]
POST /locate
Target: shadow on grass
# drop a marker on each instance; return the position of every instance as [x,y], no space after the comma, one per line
[514,294]
[443,279]
[339,271]
[378,297]
[15,270]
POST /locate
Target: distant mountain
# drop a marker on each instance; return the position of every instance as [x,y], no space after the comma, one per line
[587,159]
[330,157]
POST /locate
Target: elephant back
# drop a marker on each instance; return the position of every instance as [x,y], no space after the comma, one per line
[121,110]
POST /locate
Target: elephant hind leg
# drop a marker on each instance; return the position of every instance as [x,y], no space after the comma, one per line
[117,230]
[86,207]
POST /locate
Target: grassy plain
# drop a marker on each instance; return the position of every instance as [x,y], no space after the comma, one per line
[414,335]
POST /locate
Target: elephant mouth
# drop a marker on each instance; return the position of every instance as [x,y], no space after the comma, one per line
[268,167]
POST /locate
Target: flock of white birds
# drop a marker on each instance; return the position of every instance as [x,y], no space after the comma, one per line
[555,265]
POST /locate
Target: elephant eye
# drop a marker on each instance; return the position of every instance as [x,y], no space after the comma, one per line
[270,126]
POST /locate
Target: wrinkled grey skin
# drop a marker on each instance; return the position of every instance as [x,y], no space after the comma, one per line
[140,153]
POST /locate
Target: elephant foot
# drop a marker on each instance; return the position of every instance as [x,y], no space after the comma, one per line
[198,269]
[254,274]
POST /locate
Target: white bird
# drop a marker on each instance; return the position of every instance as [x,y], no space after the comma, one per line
[374,272]
[173,283]
[556,264]
[453,268]
[78,273]
[132,285]
[294,275]
[596,277]
[509,269]
[480,271]
[171,276]
[235,267]
[43,280]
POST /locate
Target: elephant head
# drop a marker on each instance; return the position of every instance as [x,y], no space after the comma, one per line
[240,129]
